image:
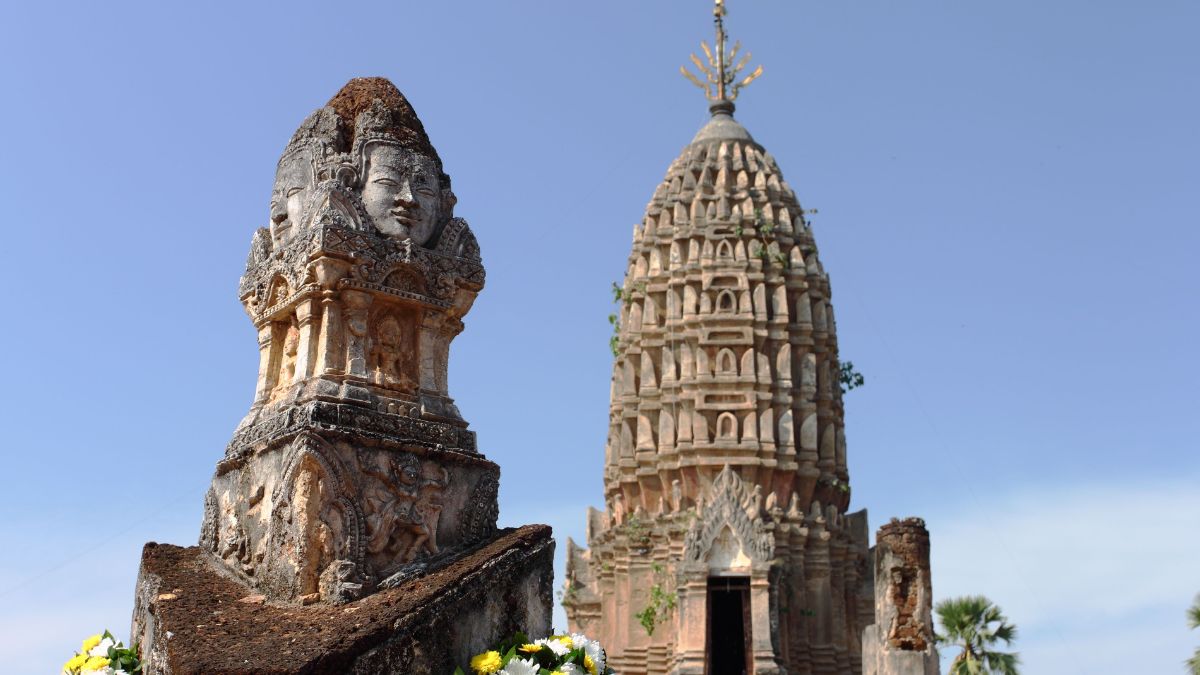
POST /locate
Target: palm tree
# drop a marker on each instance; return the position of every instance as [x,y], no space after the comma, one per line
[1193,616]
[975,625]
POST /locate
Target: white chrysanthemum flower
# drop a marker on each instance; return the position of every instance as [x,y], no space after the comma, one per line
[591,648]
[106,670]
[571,669]
[555,646]
[520,667]
[102,648]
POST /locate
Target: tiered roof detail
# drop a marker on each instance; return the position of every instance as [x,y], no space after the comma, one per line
[728,352]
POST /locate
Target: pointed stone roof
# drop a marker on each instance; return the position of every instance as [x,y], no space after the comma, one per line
[722,126]
[388,114]
[727,353]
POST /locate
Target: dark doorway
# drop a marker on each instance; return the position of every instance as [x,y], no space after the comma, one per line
[727,650]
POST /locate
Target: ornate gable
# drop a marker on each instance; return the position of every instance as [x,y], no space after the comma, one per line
[729,504]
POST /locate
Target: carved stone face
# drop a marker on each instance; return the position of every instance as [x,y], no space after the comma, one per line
[402,192]
[389,333]
[293,183]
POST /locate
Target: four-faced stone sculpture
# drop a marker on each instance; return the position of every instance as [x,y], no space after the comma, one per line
[353,464]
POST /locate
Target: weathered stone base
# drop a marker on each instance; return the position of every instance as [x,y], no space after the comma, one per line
[882,661]
[191,617]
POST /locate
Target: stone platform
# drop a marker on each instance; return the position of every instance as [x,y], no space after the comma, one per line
[190,616]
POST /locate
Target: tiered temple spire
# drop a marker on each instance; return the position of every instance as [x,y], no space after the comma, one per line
[726,482]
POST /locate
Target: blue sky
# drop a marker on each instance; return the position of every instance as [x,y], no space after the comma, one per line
[1006,196]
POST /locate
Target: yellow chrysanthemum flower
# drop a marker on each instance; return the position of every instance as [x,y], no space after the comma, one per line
[530,648]
[96,663]
[89,643]
[75,663]
[485,663]
[590,665]
[565,640]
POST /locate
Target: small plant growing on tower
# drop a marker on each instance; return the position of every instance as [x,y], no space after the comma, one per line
[623,296]
[762,254]
[638,533]
[567,595]
[659,604]
[837,484]
[848,377]
[766,228]
[614,340]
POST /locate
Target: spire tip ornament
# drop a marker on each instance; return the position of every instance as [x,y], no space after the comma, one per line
[721,73]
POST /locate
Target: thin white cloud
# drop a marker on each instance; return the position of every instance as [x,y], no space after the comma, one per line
[1096,577]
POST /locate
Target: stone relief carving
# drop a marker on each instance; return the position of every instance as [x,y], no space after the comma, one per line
[401,192]
[402,500]
[313,523]
[294,183]
[728,506]
[393,354]
[483,509]
[287,361]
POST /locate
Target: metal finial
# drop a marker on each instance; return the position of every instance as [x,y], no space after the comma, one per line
[721,83]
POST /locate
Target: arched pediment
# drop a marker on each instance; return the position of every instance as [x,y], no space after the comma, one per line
[334,205]
[457,240]
[729,506]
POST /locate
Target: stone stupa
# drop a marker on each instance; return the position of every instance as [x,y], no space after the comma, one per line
[351,525]
[726,544]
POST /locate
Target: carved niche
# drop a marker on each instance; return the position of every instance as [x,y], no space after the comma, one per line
[393,359]
[314,526]
[288,353]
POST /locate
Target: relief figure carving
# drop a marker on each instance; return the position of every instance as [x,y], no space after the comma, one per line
[287,362]
[402,503]
[392,355]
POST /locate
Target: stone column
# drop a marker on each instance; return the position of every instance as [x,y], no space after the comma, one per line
[900,642]
[429,351]
[329,341]
[762,651]
[820,597]
[692,587]
[266,373]
[305,313]
[837,588]
[329,353]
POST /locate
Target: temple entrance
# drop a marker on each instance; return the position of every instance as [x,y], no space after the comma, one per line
[727,648]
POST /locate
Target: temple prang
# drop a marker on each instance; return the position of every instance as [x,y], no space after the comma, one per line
[725,480]
[354,475]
